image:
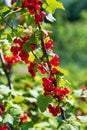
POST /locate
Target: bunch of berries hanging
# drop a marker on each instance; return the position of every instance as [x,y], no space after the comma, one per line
[47,64]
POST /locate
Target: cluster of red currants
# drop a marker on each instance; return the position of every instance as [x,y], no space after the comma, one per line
[18,53]
[54,110]
[54,91]
[34,7]
[17,49]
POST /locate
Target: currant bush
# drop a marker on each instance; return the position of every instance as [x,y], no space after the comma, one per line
[32,46]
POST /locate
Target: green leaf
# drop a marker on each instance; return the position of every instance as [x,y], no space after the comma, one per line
[62,82]
[19,3]
[4,90]
[76,125]
[20,29]
[83,119]
[30,99]
[26,126]
[9,37]
[31,57]
[15,111]
[32,39]
[38,34]
[18,99]
[69,115]
[15,93]
[59,118]
[70,101]
[0,119]
[62,71]
[52,5]
[5,9]
[78,92]
[26,47]
[43,102]
[30,20]
[1,72]
[34,93]
[60,5]
[67,127]
[42,125]
[8,119]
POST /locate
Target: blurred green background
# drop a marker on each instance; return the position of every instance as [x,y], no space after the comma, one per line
[69,32]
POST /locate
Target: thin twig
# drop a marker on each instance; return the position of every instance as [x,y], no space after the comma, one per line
[5,70]
[6,22]
[13,11]
[50,69]
[45,53]
[63,114]
[47,58]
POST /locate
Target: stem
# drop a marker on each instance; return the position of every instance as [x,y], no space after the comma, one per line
[6,22]
[47,58]
[13,11]
[50,68]
[45,53]
[5,70]
[63,114]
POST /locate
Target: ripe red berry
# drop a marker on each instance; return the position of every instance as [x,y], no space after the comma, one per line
[15,59]
[31,69]
[54,110]
[61,98]
[65,91]
[57,91]
[57,109]
[51,78]
[15,50]
[38,7]
[25,38]
[42,14]
[18,41]
[42,68]
[32,5]
[25,3]
[24,117]
[54,70]
[7,59]
[49,44]
[24,55]
[37,18]
[55,60]
[32,12]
